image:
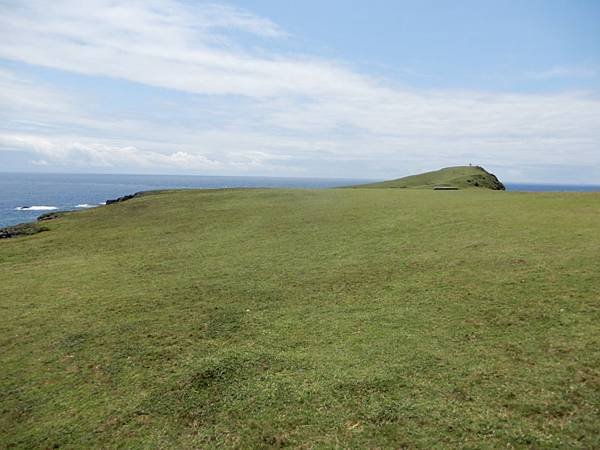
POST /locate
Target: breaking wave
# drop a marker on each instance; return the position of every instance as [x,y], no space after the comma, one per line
[36,208]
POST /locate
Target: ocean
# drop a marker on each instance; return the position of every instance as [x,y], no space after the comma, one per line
[23,197]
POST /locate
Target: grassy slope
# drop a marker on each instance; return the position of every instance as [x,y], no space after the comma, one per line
[351,318]
[463,177]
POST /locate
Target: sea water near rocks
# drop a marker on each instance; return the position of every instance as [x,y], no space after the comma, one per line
[23,197]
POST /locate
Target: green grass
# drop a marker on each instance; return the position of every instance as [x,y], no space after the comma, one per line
[350,318]
[461,177]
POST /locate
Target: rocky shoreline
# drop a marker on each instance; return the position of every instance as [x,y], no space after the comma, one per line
[125,198]
[23,229]
[31,228]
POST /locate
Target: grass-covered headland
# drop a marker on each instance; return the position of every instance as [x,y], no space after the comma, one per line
[459,177]
[350,318]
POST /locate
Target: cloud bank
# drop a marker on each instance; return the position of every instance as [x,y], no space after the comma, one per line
[230,99]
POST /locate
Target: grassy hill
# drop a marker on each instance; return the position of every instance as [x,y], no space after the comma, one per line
[351,318]
[461,177]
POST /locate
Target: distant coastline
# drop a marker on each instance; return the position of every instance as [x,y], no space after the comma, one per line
[23,196]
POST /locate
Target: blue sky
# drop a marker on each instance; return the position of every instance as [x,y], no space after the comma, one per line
[375,89]
[464,44]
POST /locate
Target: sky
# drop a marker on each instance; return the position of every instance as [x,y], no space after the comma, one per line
[372,89]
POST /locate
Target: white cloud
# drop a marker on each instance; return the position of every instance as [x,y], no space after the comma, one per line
[94,155]
[162,43]
[564,72]
[223,16]
[19,94]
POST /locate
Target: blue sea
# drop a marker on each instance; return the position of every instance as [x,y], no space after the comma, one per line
[23,197]
[522,187]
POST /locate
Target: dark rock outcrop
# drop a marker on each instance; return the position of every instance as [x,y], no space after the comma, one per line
[24,229]
[124,198]
[50,216]
[492,183]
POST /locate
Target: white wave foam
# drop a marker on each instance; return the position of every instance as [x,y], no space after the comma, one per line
[86,205]
[36,208]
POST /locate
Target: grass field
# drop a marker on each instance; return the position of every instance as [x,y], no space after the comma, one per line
[351,318]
